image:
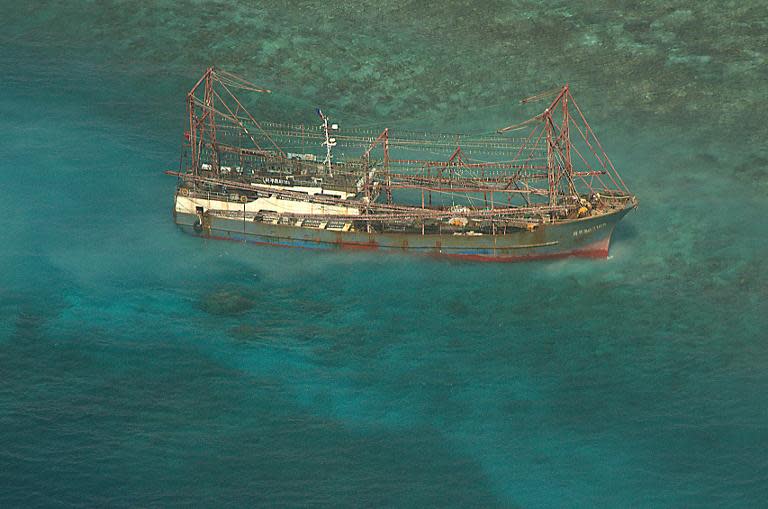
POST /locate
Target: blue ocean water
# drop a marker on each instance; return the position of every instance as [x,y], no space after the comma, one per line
[143,367]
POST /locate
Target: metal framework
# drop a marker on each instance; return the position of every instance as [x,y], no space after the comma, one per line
[494,176]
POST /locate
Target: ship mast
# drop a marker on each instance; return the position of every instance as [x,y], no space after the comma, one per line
[219,103]
[196,138]
[329,142]
[565,129]
[559,162]
[557,135]
[551,167]
[208,101]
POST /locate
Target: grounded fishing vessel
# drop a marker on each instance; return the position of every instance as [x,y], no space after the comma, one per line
[552,193]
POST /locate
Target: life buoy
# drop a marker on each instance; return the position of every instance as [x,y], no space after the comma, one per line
[243,198]
[184,191]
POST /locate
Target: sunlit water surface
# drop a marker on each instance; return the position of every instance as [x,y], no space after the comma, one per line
[143,367]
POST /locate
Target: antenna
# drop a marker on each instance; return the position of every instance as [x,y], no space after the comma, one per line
[329,142]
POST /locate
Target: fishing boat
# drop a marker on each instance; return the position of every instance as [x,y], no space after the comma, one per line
[550,192]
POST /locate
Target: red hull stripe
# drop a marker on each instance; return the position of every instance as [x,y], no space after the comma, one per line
[596,250]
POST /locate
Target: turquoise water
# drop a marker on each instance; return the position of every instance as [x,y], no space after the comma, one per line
[143,367]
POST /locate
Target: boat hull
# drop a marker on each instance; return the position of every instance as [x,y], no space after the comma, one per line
[586,237]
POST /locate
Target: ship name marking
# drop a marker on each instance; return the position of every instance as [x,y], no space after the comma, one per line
[277,181]
[585,231]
